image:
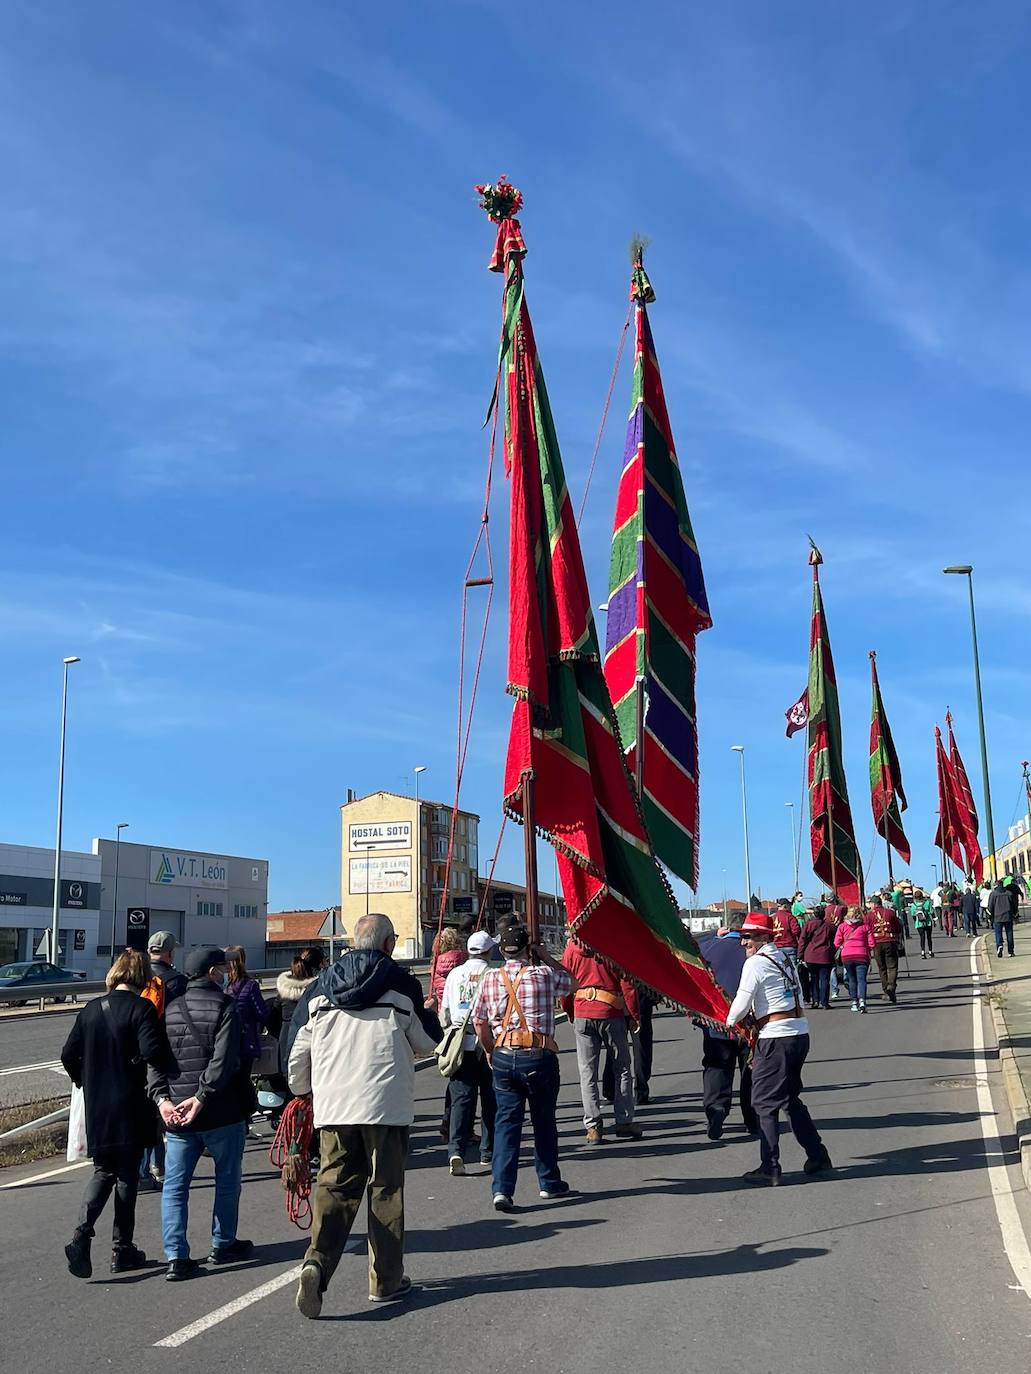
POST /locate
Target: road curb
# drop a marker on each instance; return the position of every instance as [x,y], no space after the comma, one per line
[1014,1084]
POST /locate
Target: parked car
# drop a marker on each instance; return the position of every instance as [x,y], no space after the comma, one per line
[33,975]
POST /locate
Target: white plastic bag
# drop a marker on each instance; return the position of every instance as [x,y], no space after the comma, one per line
[77,1147]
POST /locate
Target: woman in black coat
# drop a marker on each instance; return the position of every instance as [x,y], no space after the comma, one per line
[113,1040]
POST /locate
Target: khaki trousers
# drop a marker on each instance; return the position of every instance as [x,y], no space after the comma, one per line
[355,1158]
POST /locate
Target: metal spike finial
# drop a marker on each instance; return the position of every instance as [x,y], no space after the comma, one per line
[815,556]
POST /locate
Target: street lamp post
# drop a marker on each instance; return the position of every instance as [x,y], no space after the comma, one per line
[417,851]
[794,849]
[60,815]
[739,749]
[966,570]
[122,825]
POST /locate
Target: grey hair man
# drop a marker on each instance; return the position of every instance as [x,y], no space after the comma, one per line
[358,1031]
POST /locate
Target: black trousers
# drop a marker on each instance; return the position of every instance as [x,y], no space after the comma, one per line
[719,1060]
[115,1171]
[643,1048]
[776,1088]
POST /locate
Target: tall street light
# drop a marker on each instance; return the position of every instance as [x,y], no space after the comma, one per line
[122,825]
[967,571]
[419,768]
[794,849]
[60,815]
[739,749]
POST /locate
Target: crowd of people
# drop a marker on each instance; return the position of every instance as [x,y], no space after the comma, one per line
[166,1061]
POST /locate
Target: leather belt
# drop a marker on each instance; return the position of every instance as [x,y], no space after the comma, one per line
[612,999]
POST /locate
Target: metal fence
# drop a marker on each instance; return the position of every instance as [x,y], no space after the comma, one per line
[77,988]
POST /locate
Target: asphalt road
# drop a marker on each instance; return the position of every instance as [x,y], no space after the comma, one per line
[662,1262]
[27,1042]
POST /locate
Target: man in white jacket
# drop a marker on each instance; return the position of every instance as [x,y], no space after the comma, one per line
[358,1030]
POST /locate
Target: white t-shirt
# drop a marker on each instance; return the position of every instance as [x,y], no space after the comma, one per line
[460,987]
[769,982]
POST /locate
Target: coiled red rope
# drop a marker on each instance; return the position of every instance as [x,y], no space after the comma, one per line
[291,1154]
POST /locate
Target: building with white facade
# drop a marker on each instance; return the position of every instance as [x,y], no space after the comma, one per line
[201,897]
[27,904]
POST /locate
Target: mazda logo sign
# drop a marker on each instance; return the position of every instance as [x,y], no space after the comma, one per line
[137,918]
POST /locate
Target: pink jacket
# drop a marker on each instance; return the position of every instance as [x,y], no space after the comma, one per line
[855,942]
[442,967]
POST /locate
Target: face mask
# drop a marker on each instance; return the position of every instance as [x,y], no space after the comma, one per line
[225,982]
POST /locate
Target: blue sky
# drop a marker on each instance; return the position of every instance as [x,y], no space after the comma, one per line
[247,339]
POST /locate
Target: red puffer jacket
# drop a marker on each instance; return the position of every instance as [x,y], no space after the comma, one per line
[445,963]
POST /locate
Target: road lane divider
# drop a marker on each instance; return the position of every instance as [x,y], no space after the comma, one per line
[230,1309]
[1014,1240]
[51,1173]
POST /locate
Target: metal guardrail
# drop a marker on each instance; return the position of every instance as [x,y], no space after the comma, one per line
[78,987]
[51,1119]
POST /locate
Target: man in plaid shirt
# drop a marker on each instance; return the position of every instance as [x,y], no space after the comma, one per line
[514,1016]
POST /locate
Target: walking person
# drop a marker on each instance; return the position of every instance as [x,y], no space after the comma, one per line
[291,985]
[921,910]
[971,908]
[886,932]
[604,1011]
[816,949]
[855,943]
[984,897]
[108,1050]
[166,984]
[474,1079]
[250,1006]
[514,1015]
[900,906]
[1002,909]
[771,991]
[723,1052]
[356,1037]
[448,953]
[205,1102]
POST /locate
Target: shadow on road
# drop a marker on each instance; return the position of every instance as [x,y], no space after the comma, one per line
[742,1260]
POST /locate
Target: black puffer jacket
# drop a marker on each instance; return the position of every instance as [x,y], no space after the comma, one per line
[204,1032]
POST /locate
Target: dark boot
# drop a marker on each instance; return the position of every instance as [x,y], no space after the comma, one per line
[126,1257]
[78,1256]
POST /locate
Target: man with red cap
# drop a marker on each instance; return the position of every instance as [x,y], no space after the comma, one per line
[770,990]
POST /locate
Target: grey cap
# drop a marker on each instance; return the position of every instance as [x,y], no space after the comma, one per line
[160,940]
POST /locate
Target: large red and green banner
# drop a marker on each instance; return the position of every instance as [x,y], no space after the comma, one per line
[657,607]
[949,831]
[887,798]
[563,733]
[832,836]
[965,810]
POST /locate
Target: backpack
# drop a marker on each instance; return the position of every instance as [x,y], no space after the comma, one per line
[155,992]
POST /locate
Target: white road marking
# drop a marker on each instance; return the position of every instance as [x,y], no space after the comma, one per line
[54,1064]
[1013,1238]
[38,1178]
[220,1314]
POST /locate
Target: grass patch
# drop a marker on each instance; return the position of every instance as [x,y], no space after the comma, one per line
[41,1144]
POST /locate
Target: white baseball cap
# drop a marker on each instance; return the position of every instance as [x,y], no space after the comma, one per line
[481,942]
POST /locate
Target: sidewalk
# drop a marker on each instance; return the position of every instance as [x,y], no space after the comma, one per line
[1010,1000]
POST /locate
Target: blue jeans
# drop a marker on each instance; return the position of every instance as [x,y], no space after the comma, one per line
[521,1078]
[154,1155]
[182,1151]
[856,975]
[820,976]
[1007,927]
